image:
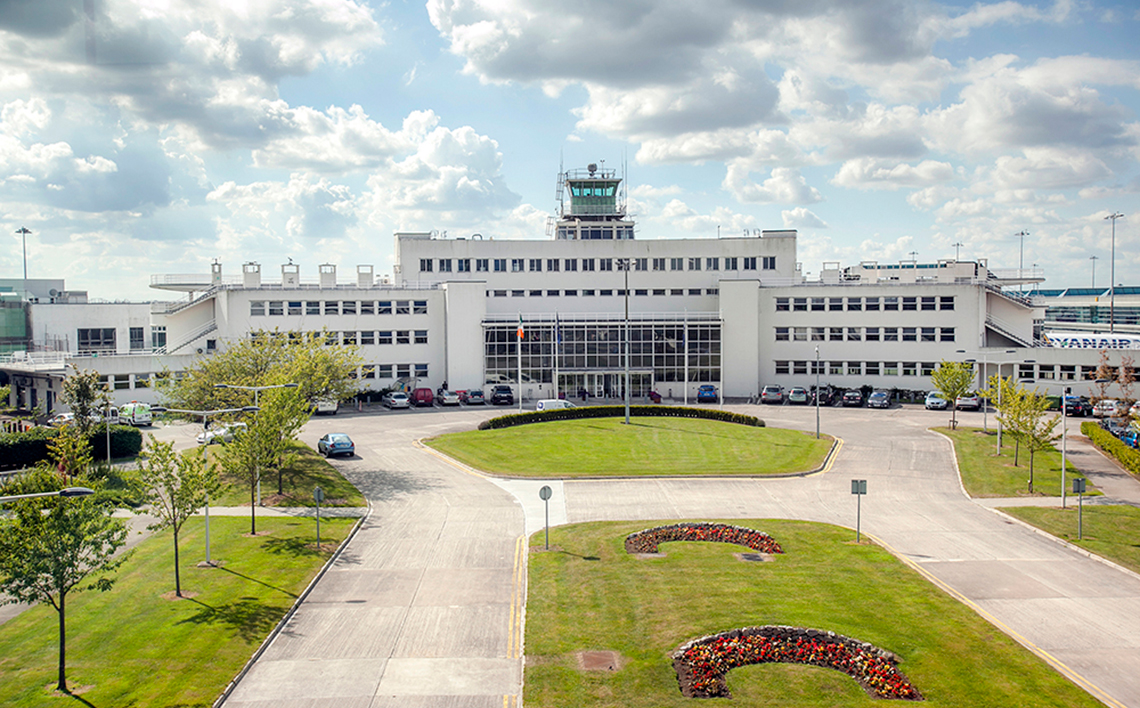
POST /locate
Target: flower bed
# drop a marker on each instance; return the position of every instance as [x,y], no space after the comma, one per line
[647,541]
[701,664]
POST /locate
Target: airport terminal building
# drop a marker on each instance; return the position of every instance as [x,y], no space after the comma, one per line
[735,312]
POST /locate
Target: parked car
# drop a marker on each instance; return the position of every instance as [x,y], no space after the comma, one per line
[798,396]
[935,401]
[772,394]
[827,395]
[879,399]
[475,398]
[61,419]
[968,402]
[1135,410]
[448,398]
[422,397]
[326,406]
[549,404]
[502,395]
[1107,408]
[333,444]
[396,399]
[135,413]
[1078,407]
[706,393]
[222,435]
[852,398]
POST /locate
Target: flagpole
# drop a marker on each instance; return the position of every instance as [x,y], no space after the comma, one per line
[518,348]
[557,346]
[685,352]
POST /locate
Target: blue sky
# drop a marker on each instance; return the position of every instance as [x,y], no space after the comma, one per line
[159,135]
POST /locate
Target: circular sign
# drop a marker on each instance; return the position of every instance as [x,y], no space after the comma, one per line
[545,493]
[319,494]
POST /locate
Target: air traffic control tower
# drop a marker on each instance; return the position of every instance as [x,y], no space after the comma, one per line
[596,208]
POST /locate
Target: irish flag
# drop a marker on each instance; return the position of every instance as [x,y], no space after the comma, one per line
[520,332]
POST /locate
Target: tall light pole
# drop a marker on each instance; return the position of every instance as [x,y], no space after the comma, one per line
[1093,259]
[256,404]
[1112,274]
[24,241]
[65,493]
[1021,256]
[817,392]
[624,263]
[957,249]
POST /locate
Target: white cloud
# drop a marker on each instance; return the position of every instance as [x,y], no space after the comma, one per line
[785,185]
[802,218]
[870,173]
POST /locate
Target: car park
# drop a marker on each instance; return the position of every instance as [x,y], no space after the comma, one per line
[935,402]
[502,395]
[422,397]
[221,435]
[448,398]
[852,398]
[475,398]
[706,393]
[333,444]
[879,399]
[798,396]
[968,402]
[396,399]
[1107,408]
[772,394]
[1078,407]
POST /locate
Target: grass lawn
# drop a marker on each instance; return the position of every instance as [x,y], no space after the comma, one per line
[134,646]
[606,447]
[985,474]
[588,594]
[309,470]
[1109,531]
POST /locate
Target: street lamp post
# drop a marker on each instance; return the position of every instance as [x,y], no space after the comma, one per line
[1112,274]
[985,365]
[65,493]
[1021,256]
[24,244]
[625,263]
[817,392]
[257,404]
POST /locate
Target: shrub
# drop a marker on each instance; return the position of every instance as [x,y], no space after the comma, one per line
[30,447]
[648,540]
[509,421]
[1112,445]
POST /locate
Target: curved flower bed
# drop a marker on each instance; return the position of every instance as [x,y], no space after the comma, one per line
[701,664]
[647,541]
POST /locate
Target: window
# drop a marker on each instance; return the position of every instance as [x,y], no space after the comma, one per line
[536,293]
[587,264]
[404,371]
[518,293]
[781,367]
[854,303]
[1068,372]
[712,291]
[422,371]
[294,307]
[799,367]
[909,334]
[818,304]
[927,368]
[384,307]
[138,337]
[419,307]
[872,334]
[1025,371]
[872,368]
[367,307]
[694,263]
[782,304]
[799,304]
[946,302]
[332,307]
[641,264]
[158,336]
[571,264]
[331,339]
[276,308]
[605,264]
[909,368]
[947,334]
[890,368]
[500,265]
[481,265]
[854,334]
[694,291]
[402,308]
[658,264]
[676,263]
[403,336]
[421,336]
[712,264]
[444,265]
[835,304]
[384,337]
[425,265]
[368,338]
[383,371]
[854,368]
[313,307]
[516,265]
[659,291]
[536,265]
[641,292]
[463,265]
[750,263]
[348,338]
[799,334]
[928,334]
[781,334]
[891,303]
[368,371]
[835,334]
[552,264]
[909,303]
[818,334]
[890,334]
[256,308]
[872,304]
[348,307]
[835,368]
[552,293]
[142,380]
[768,262]
[730,263]
[587,293]
[928,302]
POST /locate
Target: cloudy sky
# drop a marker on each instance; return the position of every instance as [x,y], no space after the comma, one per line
[140,137]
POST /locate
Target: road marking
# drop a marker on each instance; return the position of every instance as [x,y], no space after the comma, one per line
[518,600]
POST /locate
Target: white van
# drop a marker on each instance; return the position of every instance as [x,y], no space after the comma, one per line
[326,405]
[549,404]
[135,413]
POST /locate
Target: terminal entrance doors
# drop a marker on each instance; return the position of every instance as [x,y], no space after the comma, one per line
[605,384]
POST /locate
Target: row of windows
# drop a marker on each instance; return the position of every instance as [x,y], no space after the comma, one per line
[337,307]
[620,292]
[554,265]
[869,304]
[123,382]
[390,371]
[352,338]
[856,368]
[867,334]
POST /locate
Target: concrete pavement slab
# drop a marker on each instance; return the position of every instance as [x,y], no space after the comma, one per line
[453,586]
[460,632]
[450,677]
[280,681]
[328,631]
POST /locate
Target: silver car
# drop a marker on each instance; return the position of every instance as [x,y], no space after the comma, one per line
[396,399]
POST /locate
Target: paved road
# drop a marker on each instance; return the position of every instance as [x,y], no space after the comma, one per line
[424,608]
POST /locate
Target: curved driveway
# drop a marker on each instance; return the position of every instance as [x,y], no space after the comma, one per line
[425,606]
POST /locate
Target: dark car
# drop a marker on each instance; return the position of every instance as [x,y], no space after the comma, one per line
[879,399]
[333,444]
[475,398]
[852,398]
[502,395]
[706,394]
[1078,407]
[825,394]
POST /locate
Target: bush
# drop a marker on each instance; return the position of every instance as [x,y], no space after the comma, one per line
[30,447]
[1112,445]
[509,421]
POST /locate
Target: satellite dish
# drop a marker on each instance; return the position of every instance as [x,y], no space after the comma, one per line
[53,292]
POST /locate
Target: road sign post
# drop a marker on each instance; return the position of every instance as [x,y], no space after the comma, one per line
[858,488]
[544,494]
[319,495]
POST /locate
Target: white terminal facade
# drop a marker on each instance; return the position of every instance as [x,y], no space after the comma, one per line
[734,312]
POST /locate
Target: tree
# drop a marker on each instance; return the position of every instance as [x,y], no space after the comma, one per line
[70,452]
[245,457]
[1003,393]
[1126,377]
[1104,376]
[953,379]
[174,487]
[86,397]
[1040,433]
[52,547]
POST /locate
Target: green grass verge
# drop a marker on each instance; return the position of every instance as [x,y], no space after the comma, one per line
[132,646]
[986,474]
[1108,531]
[606,447]
[588,594]
[308,470]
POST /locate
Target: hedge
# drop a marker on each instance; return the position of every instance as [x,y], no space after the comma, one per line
[25,449]
[509,421]
[1112,445]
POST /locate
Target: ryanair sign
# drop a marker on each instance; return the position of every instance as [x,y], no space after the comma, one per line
[1090,340]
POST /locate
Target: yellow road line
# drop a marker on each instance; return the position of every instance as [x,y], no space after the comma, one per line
[514,627]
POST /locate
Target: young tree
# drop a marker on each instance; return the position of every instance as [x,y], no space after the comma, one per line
[52,547]
[1041,429]
[1003,393]
[70,452]
[283,413]
[86,397]
[1126,377]
[953,379]
[174,487]
[245,457]
[1104,376]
